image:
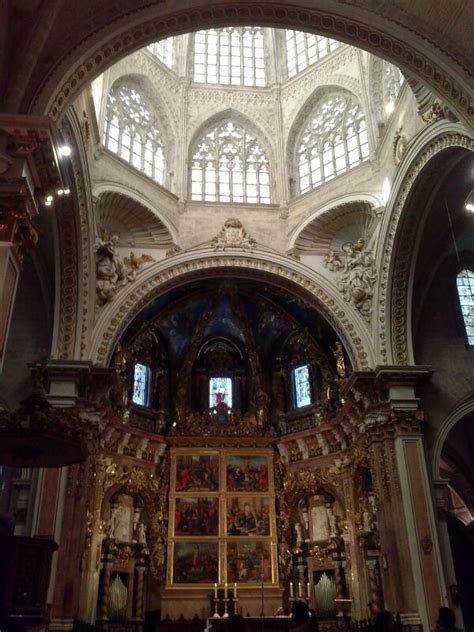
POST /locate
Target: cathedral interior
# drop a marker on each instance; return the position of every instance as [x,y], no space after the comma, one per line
[236,313]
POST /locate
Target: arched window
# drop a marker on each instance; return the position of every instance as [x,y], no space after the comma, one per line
[392,82]
[301,386]
[230,56]
[141,385]
[132,133]
[333,141]
[465,288]
[304,49]
[163,51]
[228,164]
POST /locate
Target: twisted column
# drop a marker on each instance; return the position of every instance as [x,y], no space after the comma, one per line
[104,606]
[374,586]
[140,592]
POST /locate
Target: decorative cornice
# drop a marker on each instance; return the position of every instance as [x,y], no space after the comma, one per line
[270,14]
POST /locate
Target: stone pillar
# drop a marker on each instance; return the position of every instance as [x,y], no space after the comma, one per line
[441,488]
[385,406]
[375,593]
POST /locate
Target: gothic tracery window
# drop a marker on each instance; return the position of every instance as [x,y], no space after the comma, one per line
[304,49]
[132,132]
[465,288]
[333,141]
[230,56]
[163,51]
[228,164]
[392,83]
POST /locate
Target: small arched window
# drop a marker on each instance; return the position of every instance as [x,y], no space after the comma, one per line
[301,386]
[163,51]
[304,49]
[465,288]
[392,83]
[230,56]
[141,385]
[333,141]
[228,164]
[132,133]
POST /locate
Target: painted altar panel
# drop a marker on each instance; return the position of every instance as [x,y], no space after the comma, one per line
[249,562]
[195,562]
[247,473]
[222,517]
[196,516]
[248,516]
[197,473]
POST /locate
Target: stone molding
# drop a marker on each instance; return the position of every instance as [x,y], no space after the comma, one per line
[164,275]
[392,298]
[276,15]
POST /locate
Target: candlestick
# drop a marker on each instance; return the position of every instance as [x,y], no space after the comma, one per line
[235,591]
[300,590]
[308,590]
[215,591]
[225,590]
[292,591]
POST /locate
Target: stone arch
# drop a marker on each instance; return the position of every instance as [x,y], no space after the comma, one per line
[397,246]
[384,35]
[235,116]
[239,117]
[158,107]
[302,117]
[140,198]
[352,199]
[276,269]
[462,409]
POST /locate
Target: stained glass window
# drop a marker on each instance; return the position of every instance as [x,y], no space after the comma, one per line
[132,133]
[141,384]
[465,287]
[163,51]
[220,391]
[302,386]
[230,56]
[304,49]
[228,164]
[333,141]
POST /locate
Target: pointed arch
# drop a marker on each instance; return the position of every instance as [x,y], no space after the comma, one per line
[133,129]
[229,162]
[328,137]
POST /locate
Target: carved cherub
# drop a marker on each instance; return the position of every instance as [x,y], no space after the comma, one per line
[332,261]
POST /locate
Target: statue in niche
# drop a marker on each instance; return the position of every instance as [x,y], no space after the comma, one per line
[306,524]
[122,524]
[299,533]
[320,523]
[142,533]
[332,520]
[338,353]
[112,522]
[136,523]
[261,406]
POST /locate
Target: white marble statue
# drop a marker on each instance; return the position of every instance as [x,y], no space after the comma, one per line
[320,523]
[142,533]
[299,533]
[332,520]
